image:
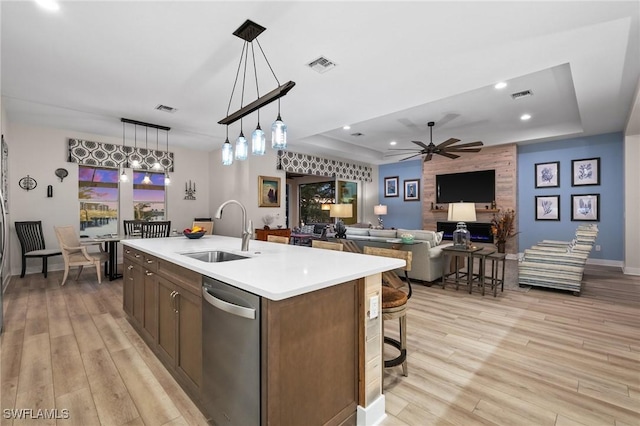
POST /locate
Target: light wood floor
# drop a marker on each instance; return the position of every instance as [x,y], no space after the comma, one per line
[536,358]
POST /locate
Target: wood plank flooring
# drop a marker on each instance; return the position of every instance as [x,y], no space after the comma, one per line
[542,357]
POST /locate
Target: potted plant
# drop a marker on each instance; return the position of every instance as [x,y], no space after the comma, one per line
[503,228]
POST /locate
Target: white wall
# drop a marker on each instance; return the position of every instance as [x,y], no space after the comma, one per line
[38,152]
[631,185]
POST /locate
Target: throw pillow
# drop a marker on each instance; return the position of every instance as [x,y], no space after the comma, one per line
[307,229]
[357,231]
[438,237]
[386,233]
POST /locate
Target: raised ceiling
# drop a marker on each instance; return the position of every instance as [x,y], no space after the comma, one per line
[399,66]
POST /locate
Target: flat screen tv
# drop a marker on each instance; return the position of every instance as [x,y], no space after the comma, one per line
[472,187]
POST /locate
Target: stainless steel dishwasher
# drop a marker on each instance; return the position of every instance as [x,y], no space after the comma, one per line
[231,354]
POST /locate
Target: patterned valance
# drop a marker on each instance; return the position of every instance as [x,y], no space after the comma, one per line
[109,155]
[311,165]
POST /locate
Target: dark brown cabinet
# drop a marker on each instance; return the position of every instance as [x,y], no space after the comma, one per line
[261,234]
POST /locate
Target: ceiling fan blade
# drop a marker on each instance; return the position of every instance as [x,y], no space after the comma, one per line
[411,157]
[421,144]
[448,142]
[404,149]
[446,154]
[469,144]
[455,149]
[428,157]
[402,153]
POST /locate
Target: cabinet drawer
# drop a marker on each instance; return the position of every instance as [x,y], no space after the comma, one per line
[150,263]
[134,255]
[189,280]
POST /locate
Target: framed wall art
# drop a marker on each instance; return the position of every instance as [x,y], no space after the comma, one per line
[412,190]
[547,174]
[585,172]
[585,207]
[391,186]
[547,207]
[268,191]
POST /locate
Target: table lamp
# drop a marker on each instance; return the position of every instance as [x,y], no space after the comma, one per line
[380,210]
[339,211]
[461,213]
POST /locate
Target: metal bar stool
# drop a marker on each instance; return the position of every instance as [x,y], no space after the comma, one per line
[497,279]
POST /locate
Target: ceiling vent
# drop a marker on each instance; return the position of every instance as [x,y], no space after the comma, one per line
[165,108]
[523,94]
[357,134]
[321,65]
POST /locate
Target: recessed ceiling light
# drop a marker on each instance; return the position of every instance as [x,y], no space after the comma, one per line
[500,85]
[525,117]
[346,127]
[393,143]
[48,4]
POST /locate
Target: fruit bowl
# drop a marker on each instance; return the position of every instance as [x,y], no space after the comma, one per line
[194,235]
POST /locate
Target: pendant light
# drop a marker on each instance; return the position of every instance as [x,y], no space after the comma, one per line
[227,151]
[123,176]
[167,178]
[278,132]
[249,31]
[146,180]
[156,164]
[135,163]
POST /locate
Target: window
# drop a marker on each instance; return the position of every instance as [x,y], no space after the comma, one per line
[312,197]
[98,197]
[148,199]
[348,194]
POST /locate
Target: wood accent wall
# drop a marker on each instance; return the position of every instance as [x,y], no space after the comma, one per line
[502,158]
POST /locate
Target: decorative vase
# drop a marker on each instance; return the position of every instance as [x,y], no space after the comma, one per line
[501,246]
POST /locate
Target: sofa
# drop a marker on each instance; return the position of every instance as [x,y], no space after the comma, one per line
[426,248]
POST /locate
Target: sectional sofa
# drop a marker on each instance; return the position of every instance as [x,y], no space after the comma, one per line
[426,248]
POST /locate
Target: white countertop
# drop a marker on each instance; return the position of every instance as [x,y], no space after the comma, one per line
[275,271]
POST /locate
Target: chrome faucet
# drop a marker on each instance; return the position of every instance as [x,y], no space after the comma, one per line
[247,227]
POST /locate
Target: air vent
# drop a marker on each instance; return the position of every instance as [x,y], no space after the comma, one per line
[523,94]
[357,134]
[321,65]
[165,108]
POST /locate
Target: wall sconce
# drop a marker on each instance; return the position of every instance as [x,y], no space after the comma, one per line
[189,191]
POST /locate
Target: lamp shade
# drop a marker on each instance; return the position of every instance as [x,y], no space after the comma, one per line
[326,206]
[341,210]
[462,212]
[380,210]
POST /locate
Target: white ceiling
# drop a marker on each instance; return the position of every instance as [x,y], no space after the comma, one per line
[400,65]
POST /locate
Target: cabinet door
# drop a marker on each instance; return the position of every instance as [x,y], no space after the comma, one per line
[167,315]
[138,293]
[189,356]
[127,284]
[150,323]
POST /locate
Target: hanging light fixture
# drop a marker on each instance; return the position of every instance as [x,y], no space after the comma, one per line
[156,164]
[147,179]
[249,31]
[135,163]
[167,178]
[123,176]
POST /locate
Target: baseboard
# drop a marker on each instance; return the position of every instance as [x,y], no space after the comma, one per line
[631,271]
[373,414]
[606,262]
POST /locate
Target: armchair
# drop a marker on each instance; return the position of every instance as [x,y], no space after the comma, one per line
[76,254]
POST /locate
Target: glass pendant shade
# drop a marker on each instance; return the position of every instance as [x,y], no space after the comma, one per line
[167,179]
[156,165]
[124,177]
[135,164]
[279,134]
[258,142]
[242,147]
[146,180]
[227,154]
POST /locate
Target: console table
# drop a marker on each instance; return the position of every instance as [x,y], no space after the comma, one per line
[261,234]
[458,277]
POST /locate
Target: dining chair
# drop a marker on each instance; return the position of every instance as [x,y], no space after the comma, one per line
[157,229]
[75,253]
[207,225]
[277,239]
[132,227]
[32,244]
[327,245]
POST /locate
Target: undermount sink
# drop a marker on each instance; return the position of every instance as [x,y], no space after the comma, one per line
[214,256]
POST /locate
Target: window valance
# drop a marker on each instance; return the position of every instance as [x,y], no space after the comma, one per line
[311,165]
[110,155]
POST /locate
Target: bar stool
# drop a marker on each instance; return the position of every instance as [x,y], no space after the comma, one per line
[497,279]
[394,302]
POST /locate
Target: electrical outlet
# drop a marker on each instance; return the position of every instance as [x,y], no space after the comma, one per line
[373,307]
[598,248]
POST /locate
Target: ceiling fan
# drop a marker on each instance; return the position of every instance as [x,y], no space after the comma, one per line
[446,148]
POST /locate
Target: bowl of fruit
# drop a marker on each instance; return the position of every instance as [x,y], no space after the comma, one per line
[194,233]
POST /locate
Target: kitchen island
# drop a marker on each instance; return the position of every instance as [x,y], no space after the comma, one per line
[320,344]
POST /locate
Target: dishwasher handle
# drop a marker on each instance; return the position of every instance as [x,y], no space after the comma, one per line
[225,306]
